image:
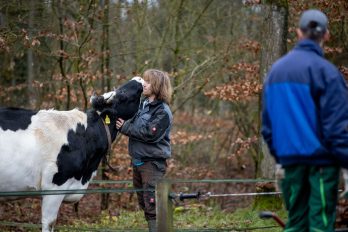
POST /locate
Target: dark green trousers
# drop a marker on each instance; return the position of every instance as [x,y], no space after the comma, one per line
[310,195]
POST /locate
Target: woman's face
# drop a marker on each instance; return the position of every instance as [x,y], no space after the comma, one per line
[147,89]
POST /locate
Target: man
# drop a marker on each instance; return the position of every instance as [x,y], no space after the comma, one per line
[305,124]
[149,140]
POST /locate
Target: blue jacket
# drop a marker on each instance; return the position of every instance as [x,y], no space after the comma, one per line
[305,109]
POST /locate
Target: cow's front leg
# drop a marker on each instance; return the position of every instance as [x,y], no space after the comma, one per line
[49,211]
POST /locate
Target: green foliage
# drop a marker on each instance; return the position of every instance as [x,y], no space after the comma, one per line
[193,217]
[125,220]
[272,203]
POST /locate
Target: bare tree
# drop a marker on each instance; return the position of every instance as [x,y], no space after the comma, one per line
[105,70]
[273,46]
[30,60]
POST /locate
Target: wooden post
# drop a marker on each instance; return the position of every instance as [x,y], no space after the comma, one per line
[164,206]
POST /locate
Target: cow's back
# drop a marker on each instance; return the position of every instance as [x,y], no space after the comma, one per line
[28,152]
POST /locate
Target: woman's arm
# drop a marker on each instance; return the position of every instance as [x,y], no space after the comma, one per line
[150,131]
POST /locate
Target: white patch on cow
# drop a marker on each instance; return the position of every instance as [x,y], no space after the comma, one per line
[139,79]
[25,159]
[109,96]
[28,158]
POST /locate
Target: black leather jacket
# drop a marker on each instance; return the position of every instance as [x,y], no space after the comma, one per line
[149,132]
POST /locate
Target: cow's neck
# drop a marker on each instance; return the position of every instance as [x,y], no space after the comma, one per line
[105,125]
[108,134]
[98,145]
[110,121]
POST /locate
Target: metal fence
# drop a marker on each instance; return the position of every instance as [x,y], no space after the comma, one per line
[164,202]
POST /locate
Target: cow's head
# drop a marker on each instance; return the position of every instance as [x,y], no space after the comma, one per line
[122,102]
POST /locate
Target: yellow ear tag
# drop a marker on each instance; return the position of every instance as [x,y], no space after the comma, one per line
[107,119]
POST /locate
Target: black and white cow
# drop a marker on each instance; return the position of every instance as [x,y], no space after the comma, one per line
[60,150]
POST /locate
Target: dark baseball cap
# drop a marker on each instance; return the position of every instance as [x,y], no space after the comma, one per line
[313,20]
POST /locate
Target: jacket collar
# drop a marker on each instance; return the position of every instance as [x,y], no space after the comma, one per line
[309,45]
[153,103]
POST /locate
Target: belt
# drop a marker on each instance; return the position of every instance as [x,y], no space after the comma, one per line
[139,162]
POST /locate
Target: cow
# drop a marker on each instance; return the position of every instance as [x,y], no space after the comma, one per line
[60,150]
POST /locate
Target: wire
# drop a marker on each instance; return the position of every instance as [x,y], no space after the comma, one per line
[241,194]
[111,182]
[113,190]
[71,191]
[226,229]
[222,180]
[189,181]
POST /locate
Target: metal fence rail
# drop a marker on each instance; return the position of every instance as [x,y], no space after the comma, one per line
[70,191]
[163,197]
[164,205]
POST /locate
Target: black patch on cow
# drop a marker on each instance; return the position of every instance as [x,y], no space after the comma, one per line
[97,143]
[81,156]
[15,118]
[72,157]
[86,147]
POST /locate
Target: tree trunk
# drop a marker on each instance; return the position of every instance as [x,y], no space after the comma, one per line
[273,46]
[30,60]
[61,57]
[107,44]
[105,69]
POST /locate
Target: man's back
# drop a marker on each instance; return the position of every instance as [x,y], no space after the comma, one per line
[302,64]
[294,92]
[305,125]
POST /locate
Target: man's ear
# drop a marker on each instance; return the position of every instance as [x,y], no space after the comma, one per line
[327,36]
[299,34]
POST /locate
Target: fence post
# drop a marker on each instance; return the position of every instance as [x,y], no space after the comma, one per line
[164,206]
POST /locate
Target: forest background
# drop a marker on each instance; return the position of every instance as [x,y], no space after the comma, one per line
[55,53]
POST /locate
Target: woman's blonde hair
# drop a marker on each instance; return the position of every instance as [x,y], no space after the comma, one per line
[160,84]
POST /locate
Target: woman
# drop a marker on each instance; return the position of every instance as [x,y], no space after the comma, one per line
[149,139]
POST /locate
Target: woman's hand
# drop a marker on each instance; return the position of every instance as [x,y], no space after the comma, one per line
[119,123]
